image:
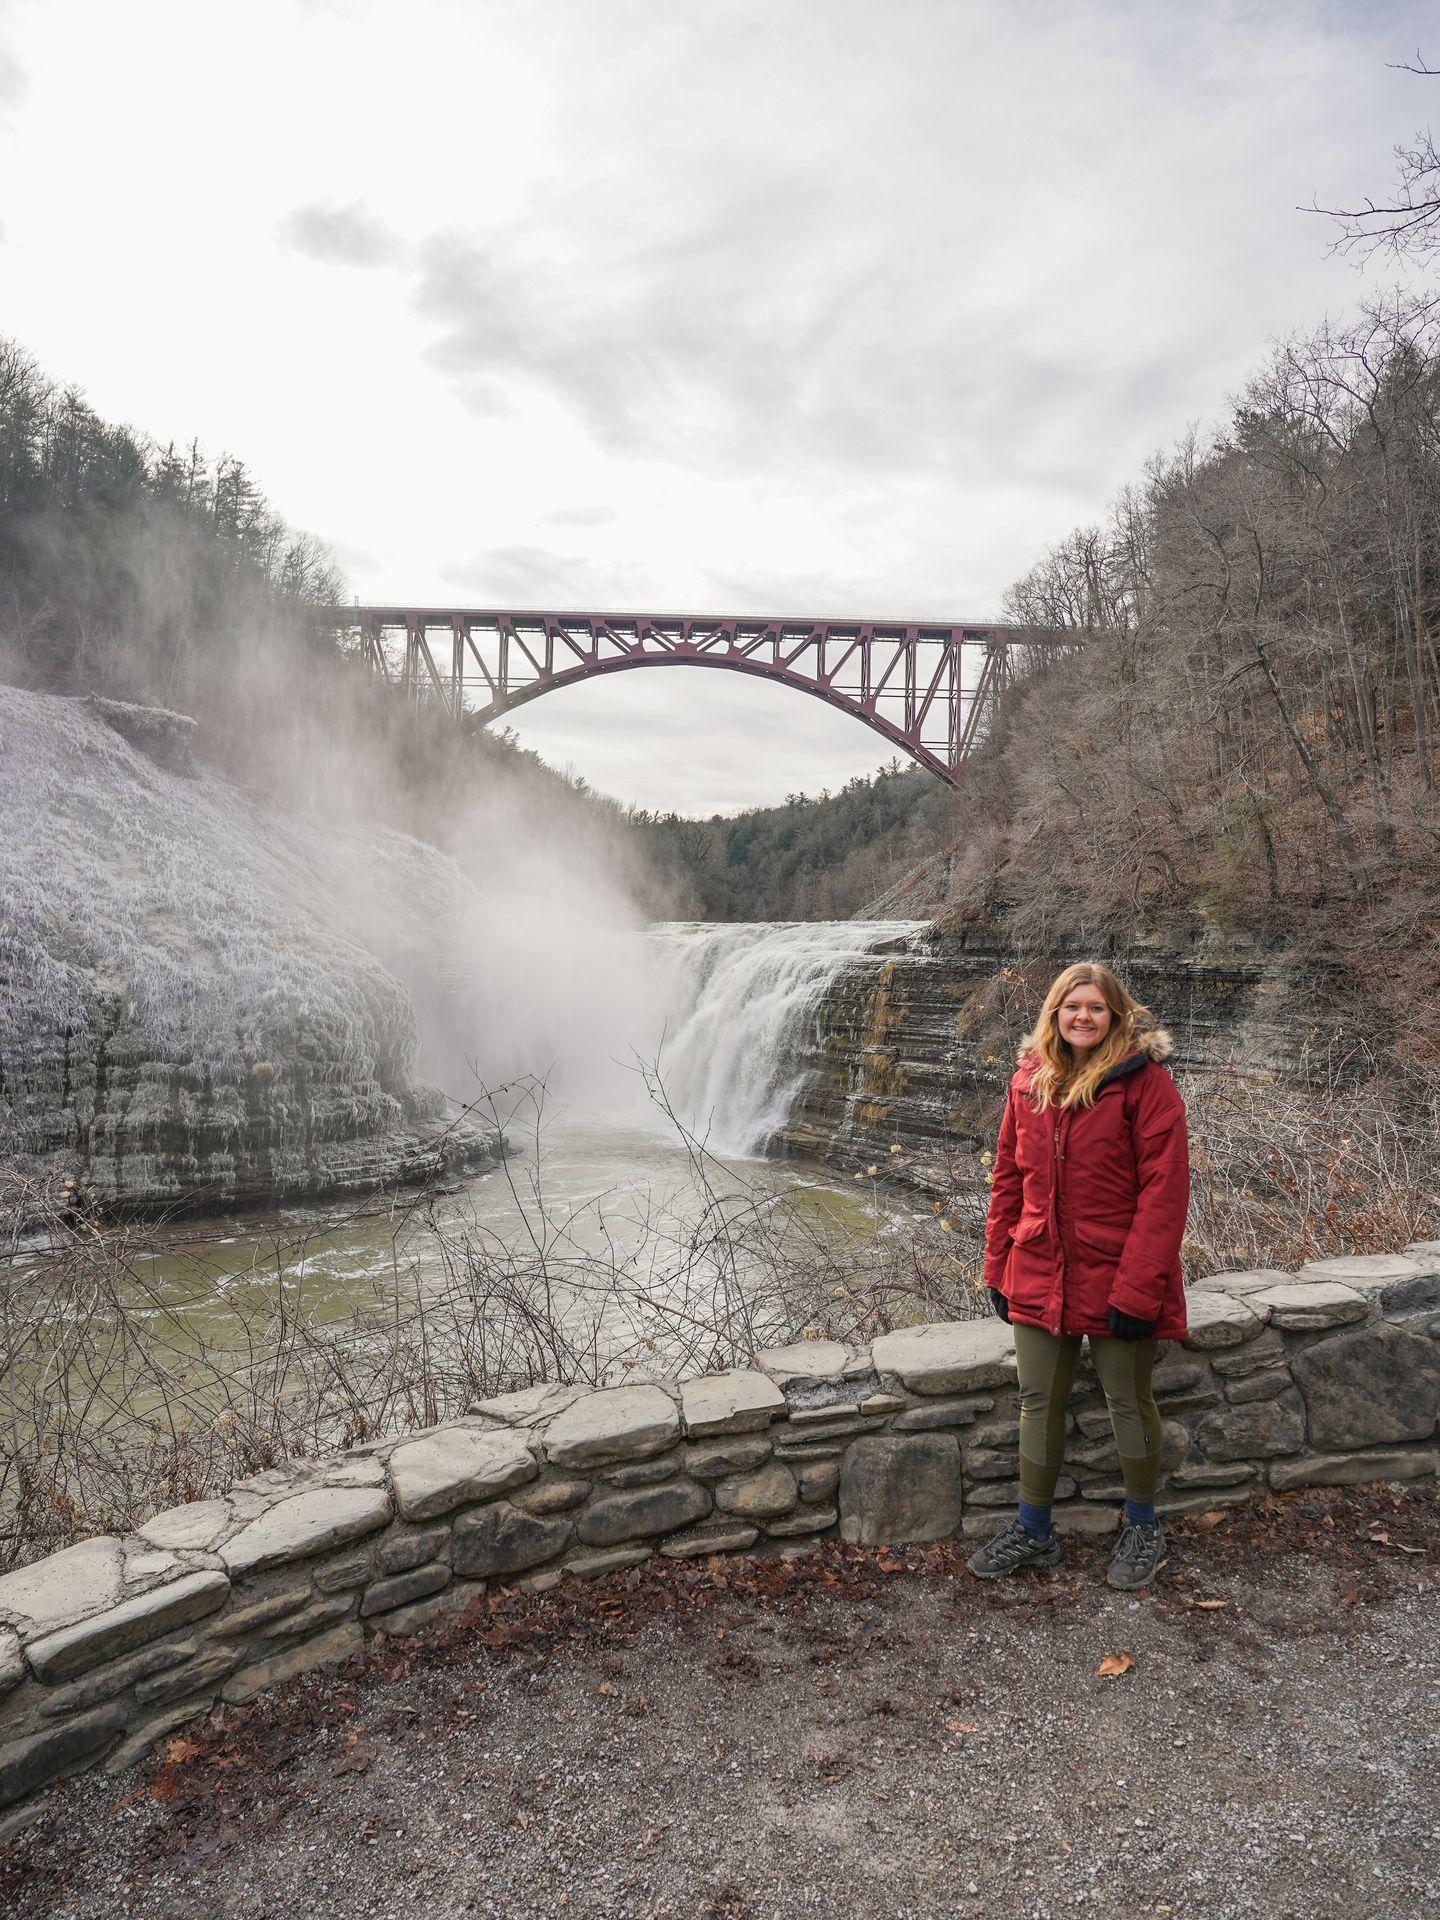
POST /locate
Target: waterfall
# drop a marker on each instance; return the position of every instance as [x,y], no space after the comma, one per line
[740,1001]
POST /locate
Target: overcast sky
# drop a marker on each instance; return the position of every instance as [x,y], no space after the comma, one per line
[811,306]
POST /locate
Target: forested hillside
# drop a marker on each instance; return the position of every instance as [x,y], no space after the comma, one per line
[156,574]
[818,858]
[1246,729]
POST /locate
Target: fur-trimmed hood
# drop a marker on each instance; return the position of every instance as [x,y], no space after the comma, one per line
[1152,1043]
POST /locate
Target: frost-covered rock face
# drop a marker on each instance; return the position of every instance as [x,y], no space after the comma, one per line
[192,1002]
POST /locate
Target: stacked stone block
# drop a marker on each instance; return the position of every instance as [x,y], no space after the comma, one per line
[1325,1377]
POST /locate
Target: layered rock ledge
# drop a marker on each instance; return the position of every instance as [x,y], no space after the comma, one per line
[204,1001]
[1326,1377]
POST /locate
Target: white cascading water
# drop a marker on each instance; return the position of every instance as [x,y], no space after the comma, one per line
[741,1001]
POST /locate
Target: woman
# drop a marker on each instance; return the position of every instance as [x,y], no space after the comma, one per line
[1087,1211]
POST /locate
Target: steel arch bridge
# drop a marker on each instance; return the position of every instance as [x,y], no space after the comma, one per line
[927,688]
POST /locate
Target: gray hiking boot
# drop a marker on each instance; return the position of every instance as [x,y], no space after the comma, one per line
[1139,1555]
[1013,1548]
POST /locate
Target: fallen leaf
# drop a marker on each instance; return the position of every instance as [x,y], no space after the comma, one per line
[605,1687]
[1211,1519]
[1207,1606]
[177,1751]
[961,1726]
[1115,1663]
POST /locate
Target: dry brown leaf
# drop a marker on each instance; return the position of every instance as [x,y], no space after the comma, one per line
[961,1726]
[1207,1606]
[1115,1663]
[177,1751]
[605,1687]
[1211,1519]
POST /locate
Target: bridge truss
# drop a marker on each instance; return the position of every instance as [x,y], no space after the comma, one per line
[928,689]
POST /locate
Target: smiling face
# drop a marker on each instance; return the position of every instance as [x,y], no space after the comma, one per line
[1084,1019]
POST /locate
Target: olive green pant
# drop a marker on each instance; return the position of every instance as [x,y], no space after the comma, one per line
[1046,1363]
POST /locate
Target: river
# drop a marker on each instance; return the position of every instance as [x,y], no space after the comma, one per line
[636,1196]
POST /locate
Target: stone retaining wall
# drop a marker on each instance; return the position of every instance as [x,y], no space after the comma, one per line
[1326,1377]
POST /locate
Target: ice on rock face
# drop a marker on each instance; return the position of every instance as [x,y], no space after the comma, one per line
[192,998]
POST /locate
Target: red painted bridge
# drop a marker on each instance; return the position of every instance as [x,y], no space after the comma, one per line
[927,688]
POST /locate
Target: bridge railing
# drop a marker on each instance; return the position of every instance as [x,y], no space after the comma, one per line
[928,687]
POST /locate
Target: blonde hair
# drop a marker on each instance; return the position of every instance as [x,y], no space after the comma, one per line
[1062,1079]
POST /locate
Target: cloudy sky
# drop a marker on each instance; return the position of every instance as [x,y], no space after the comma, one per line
[811,306]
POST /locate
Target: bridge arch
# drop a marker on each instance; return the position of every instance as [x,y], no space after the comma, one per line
[926,688]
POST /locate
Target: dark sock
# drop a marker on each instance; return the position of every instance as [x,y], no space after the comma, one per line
[1035,1520]
[1140,1513]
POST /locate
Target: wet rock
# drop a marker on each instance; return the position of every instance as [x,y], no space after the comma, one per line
[259,1613]
[818,1482]
[615,1424]
[346,1570]
[715,1539]
[196,1676]
[644,1473]
[1255,1432]
[553,1496]
[319,1614]
[1268,1350]
[759,1496]
[306,1524]
[625,1516]
[611,1560]
[1212,1476]
[900,1487]
[331,1647]
[1369,1386]
[803,1520]
[713,1459]
[31,1763]
[456,1466]
[1352,1469]
[418,1584]
[407,1547]
[1266,1385]
[115,1677]
[421,1615]
[137,1744]
[503,1539]
[103,1636]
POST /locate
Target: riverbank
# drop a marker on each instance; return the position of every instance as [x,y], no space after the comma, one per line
[836,1731]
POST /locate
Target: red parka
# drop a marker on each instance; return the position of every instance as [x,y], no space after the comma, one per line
[1088,1204]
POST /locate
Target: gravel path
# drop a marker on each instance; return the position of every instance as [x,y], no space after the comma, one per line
[848,1732]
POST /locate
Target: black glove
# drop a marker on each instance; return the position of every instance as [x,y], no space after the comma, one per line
[1125,1326]
[999,1303]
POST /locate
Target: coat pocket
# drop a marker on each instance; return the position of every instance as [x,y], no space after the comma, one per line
[1107,1240]
[1030,1226]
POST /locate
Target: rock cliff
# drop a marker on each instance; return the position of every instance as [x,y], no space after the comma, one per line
[199,1000]
[913,1048]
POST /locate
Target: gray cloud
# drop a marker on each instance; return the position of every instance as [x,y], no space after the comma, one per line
[13,84]
[536,576]
[348,236]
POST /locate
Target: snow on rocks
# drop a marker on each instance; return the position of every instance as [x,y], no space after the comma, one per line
[199,977]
